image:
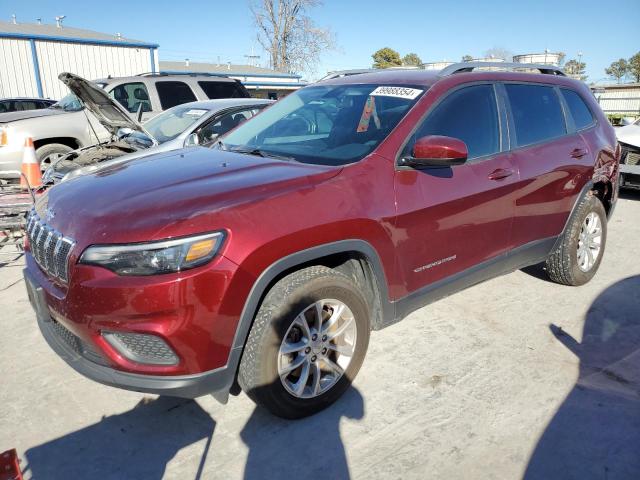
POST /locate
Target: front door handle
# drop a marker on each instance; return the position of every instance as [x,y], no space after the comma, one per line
[500,173]
[578,152]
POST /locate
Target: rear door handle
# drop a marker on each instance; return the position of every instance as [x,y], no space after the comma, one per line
[500,173]
[578,152]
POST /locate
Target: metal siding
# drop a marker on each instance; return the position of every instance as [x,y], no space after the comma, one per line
[623,100]
[88,61]
[17,77]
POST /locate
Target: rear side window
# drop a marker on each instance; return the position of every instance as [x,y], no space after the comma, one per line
[469,114]
[215,90]
[536,113]
[582,116]
[174,93]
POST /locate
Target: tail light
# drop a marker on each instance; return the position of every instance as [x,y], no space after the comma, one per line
[4,137]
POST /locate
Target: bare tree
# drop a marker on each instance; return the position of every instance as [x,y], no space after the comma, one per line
[294,42]
[499,53]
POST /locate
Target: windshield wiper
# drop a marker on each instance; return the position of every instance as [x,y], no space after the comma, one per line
[261,153]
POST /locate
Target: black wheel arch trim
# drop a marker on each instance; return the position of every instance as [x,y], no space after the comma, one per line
[299,258]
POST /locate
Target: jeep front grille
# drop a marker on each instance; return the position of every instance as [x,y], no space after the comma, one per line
[630,155]
[49,248]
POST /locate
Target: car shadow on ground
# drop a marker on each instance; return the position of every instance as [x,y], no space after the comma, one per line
[596,431]
[139,443]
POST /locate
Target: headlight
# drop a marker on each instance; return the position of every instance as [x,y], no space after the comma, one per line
[166,256]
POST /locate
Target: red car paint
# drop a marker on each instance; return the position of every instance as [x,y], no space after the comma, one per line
[271,209]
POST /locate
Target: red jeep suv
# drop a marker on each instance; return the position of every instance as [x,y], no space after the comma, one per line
[264,263]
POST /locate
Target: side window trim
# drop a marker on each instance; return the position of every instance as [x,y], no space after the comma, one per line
[569,123]
[501,126]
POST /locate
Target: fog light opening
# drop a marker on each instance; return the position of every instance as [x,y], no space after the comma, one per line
[142,348]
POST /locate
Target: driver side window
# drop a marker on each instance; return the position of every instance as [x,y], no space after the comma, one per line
[469,114]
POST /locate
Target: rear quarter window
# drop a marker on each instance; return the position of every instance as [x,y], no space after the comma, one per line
[537,114]
[215,90]
[174,93]
[580,112]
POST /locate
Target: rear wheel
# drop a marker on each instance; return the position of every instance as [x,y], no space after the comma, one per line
[46,154]
[307,343]
[577,258]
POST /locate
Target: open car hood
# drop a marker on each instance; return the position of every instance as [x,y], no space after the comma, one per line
[108,111]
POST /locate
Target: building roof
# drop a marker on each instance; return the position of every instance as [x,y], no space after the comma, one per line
[224,69]
[69,34]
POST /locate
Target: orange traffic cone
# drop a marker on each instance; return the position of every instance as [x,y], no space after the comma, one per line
[30,166]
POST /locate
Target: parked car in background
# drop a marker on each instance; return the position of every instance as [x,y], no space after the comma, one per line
[629,138]
[155,92]
[264,262]
[66,126]
[189,124]
[21,104]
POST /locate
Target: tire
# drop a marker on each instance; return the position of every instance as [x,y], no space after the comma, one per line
[43,154]
[564,265]
[289,300]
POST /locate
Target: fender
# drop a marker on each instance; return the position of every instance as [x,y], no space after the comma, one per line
[584,191]
[270,273]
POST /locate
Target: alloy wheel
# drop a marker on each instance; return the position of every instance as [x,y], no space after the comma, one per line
[317,348]
[589,242]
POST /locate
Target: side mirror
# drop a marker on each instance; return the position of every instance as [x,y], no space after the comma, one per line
[437,151]
[192,140]
[124,132]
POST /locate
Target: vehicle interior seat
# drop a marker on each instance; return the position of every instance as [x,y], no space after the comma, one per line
[121,95]
[141,96]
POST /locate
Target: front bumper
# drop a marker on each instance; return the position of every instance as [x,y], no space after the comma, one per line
[88,357]
[633,169]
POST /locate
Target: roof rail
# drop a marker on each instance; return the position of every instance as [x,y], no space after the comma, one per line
[191,74]
[470,66]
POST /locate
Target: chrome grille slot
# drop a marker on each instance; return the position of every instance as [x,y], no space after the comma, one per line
[630,155]
[49,248]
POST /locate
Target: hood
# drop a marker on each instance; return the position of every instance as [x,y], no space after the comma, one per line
[27,114]
[169,194]
[629,135]
[108,111]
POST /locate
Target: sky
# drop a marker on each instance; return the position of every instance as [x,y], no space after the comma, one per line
[216,30]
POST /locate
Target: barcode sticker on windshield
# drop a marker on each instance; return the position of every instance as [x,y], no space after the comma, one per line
[195,112]
[400,92]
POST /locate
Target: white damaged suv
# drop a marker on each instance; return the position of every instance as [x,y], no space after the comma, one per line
[629,138]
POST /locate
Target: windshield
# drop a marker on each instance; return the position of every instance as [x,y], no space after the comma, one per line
[171,123]
[70,103]
[326,125]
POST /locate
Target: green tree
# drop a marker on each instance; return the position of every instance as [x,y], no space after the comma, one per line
[411,60]
[467,58]
[574,67]
[618,69]
[385,58]
[634,67]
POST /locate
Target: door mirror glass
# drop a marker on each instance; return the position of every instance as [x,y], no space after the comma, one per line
[437,151]
[192,140]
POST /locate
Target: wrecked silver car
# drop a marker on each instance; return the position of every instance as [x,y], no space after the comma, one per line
[189,124]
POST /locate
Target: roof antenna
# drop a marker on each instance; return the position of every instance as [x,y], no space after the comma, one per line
[59,20]
[13,19]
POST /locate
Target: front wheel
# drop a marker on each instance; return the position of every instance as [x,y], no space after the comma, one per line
[579,253]
[307,343]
